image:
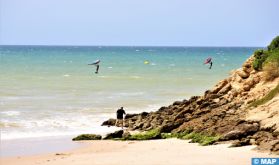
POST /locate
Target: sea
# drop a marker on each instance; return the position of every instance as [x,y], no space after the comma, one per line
[52,91]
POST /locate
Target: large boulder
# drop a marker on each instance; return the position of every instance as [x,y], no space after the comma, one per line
[109,122]
[242,73]
[116,134]
[234,134]
[240,131]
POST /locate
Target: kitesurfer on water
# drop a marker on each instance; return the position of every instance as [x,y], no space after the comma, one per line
[209,61]
[97,64]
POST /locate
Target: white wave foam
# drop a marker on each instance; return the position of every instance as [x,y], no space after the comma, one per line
[102,130]
[135,77]
[130,93]
[11,113]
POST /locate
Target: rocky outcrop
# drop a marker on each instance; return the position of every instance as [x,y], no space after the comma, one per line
[114,135]
[87,137]
[222,110]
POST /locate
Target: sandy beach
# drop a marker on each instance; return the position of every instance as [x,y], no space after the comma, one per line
[169,151]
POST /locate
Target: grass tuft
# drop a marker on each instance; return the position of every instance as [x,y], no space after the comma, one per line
[266,98]
[202,139]
[271,71]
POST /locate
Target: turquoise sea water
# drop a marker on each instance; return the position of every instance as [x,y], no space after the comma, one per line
[49,90]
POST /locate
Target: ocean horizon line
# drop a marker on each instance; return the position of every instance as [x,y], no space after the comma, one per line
[138,46]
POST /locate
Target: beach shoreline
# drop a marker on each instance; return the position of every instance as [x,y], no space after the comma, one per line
[167,151]
[36,146]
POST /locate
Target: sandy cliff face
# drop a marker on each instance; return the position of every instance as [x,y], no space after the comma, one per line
[222,110]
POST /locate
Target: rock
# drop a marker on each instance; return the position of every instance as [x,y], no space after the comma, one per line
[257,79]
[167,128]
[109,122]
[252,142]
[242,74]
[247,67]
[219,86]
[232,135]
[242,130]
[128,116]
[213,96]
[162,109]
[126,135]
[144,114]
[234,92]
[239,143]
[246,87]
[138,125]
[225,89]
[177,103]
[275,146]
[116,134]
[249,128]
[87,137]
[204,104]
[146,124]
[200,101]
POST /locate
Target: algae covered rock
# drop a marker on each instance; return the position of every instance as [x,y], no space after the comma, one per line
[87,137]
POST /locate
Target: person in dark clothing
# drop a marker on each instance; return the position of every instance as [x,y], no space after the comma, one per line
[97,64]
[210,64]
[119,117]
[97,68]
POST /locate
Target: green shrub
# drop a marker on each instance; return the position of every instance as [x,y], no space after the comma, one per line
[273,56]
[258,53]
[260,57]
[274,44]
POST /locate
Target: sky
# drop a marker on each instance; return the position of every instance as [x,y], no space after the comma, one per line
[139,22]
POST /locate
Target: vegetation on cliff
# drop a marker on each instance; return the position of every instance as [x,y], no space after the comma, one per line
[268,60]
[266,98]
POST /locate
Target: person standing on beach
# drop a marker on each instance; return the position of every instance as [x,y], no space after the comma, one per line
[119,117]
